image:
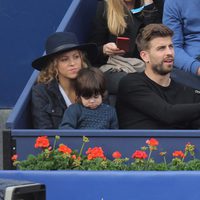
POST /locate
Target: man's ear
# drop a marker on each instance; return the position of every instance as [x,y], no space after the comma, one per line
[145,56]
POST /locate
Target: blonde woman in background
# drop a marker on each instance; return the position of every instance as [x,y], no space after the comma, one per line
[121,18]
[54,90]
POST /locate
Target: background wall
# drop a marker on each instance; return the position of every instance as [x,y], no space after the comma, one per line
[25,25]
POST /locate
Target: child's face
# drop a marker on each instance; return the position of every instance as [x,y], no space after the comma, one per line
[92,102]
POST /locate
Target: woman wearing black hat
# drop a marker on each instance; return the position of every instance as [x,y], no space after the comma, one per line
[54,90]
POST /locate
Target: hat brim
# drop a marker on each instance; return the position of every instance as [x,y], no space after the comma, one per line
[90,49]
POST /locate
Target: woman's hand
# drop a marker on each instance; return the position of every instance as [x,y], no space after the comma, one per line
[147,2]
[112,49]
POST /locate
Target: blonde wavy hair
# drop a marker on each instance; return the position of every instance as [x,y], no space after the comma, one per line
[117,11]
[50,72]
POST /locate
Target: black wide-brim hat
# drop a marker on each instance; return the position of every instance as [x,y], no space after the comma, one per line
[62,42]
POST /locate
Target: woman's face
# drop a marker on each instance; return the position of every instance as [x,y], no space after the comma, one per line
[69,64]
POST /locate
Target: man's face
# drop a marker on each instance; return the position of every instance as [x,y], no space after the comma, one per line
[160,55]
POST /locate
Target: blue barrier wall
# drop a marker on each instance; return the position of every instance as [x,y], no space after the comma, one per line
[24,28]
[113,185]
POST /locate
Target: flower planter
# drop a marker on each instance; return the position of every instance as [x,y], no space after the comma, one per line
[125,141]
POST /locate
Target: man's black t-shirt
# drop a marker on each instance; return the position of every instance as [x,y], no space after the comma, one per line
[143,104]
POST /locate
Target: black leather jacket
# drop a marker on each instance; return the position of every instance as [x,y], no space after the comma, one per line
[48,106]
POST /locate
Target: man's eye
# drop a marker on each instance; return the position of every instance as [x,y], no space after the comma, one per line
[161,48]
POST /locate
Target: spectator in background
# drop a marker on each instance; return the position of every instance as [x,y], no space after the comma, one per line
[119,18]
[184,19]
[90,112]
[152,100]
[54,91]
[159,4]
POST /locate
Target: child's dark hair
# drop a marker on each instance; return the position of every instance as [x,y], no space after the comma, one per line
[90,82]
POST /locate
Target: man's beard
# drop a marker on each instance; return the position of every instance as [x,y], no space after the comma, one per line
[159,69]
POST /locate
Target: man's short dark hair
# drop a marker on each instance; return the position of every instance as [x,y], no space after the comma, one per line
[150,32]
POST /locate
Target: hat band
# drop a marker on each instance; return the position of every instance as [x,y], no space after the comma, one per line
[62,47]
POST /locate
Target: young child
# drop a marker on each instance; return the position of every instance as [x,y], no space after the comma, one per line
[90,112]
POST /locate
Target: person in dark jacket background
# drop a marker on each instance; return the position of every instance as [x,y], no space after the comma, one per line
[54,90]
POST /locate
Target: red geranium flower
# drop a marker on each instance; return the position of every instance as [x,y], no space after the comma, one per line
[178,154]
[65,149]
[42,142]
[74,156]
[139,154]
[14,157]
[116,154]
[152,142]
[96,152]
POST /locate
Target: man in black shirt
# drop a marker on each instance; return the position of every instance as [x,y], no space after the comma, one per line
[152,100]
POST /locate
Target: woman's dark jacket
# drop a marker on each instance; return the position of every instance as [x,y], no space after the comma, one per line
[48,105]
[100,33]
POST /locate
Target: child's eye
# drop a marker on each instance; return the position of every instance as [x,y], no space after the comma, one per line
[86,97]
[96,96]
